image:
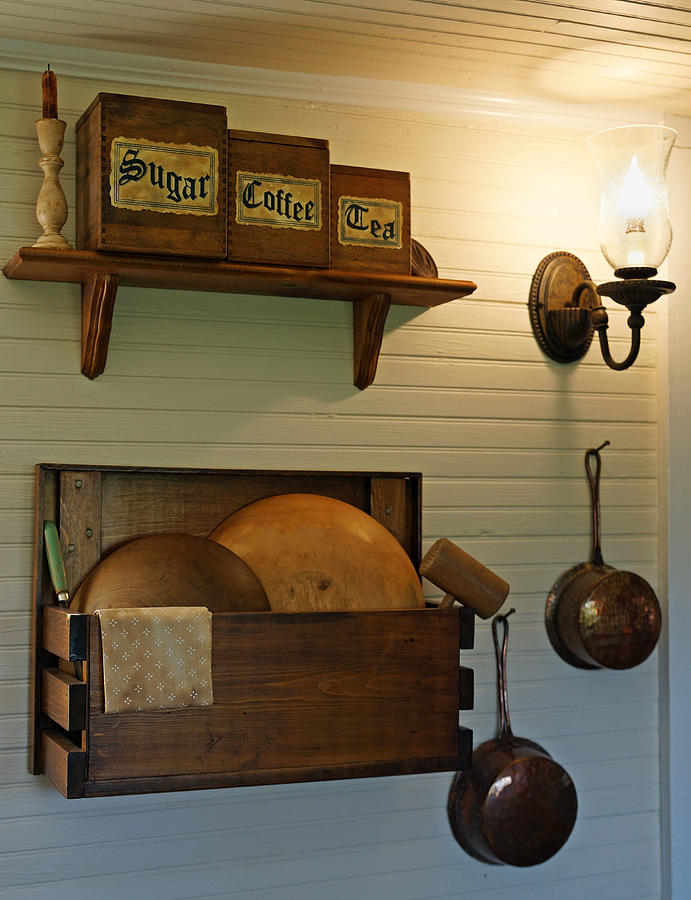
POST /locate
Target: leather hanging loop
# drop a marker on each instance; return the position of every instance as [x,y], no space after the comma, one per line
[594,482]
[505,734]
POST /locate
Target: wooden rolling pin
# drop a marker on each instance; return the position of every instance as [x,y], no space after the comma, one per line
[463,578]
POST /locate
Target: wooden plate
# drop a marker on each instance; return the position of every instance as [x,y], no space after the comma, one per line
[171,570]
[315,553]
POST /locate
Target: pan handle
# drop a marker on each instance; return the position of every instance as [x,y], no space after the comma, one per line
[594,482]
[505,734]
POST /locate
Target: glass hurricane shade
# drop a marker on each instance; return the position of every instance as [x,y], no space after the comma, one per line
[634,219]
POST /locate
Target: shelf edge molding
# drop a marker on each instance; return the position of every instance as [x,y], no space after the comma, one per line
[100,275]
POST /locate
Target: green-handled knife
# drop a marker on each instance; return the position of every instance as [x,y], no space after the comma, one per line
[56,563]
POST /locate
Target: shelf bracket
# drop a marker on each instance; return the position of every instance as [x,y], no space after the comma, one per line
[369,318]
[98,299]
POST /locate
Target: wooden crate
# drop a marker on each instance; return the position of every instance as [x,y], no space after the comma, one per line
[297,697]
[370,220]
[278,209]
[152,177]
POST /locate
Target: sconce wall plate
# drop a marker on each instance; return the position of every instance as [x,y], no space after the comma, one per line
[563,331]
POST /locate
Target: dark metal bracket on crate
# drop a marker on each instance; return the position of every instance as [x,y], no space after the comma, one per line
[100,275]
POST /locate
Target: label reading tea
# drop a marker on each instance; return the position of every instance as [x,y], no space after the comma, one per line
[165,178]
[278,201]
[369,222]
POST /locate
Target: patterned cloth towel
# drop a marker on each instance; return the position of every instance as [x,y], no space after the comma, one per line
[156,658]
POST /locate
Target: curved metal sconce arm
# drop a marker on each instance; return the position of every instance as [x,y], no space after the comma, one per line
[601,329]
[600,322]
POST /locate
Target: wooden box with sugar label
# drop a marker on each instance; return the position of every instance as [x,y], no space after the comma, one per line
[370,220]
[151,177]
[278,208]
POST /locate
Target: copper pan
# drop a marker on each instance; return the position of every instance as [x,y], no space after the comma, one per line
[516,806]
[598,616]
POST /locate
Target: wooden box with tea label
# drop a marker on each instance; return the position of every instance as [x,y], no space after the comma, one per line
[370,220]
[278,208]
[151,176]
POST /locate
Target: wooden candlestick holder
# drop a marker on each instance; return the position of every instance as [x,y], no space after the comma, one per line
[51,205]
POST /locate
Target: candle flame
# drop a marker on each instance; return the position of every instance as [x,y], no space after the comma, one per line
[636,196]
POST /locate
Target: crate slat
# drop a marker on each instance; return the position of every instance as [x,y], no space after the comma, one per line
[64,764]
[64,699]
[64,633]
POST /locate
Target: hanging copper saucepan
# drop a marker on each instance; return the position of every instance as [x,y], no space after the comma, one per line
[516,806]
[598,616]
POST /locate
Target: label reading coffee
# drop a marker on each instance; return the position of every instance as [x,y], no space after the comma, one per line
[165,178]
[370,222]
[278,201]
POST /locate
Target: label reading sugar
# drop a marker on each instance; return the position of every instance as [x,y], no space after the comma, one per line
[165,178]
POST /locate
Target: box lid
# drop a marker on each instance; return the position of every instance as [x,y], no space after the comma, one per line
[105,97]
[288,139]
[369,173]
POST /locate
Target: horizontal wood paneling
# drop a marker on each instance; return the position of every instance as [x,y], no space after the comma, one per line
[624,50]
[462,394]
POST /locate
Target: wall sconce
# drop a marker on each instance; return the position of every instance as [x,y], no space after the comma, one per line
[635,236]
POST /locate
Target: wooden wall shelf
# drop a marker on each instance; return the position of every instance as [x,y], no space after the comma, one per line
[100,274]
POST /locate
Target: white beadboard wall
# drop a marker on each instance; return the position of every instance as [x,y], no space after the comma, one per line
[462,394]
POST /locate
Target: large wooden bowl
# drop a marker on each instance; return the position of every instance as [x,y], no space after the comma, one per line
[171,570]
[315,553]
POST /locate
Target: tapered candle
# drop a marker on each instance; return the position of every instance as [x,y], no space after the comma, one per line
[49,90]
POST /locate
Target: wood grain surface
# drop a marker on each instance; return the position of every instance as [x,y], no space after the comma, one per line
[103,226]
[288,156]
[298,691]
[209,275]
[365,184]
[316,553]
[171,570]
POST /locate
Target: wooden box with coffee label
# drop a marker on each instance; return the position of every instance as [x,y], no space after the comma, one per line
[370,220]
[278,199]
[151,176]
